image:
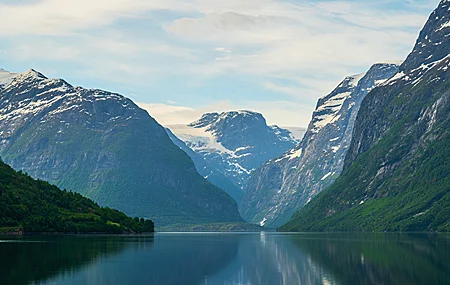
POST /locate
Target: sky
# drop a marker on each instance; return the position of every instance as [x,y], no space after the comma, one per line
[179,59]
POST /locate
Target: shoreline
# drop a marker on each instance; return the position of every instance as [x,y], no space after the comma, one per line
[21,232]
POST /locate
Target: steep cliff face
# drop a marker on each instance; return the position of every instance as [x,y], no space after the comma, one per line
[397,170]
[432,47]
[284,184]
[102,145]
[234,143]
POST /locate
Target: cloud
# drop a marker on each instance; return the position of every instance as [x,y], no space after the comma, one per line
[292,91]
[63,17]
[310,42]
[156,48]
[276,112]
[293,38]
[168,114]
[221,49]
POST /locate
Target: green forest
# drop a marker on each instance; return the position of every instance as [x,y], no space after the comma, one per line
[35,206]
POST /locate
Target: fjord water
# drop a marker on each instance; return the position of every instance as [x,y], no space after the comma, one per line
[227,258]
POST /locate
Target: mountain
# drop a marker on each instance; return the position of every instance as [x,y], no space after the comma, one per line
[207,171]
[233,144]
[36,206]
[100,144]
[286,183]
[397,170]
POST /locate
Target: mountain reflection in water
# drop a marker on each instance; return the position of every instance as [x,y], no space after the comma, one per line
[228,259]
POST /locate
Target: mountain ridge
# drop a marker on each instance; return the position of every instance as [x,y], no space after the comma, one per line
[396,172]
[104,146]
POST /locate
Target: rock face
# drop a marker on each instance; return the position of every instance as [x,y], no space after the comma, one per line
[103,146]
[397,169]
[233,144]
[284,184]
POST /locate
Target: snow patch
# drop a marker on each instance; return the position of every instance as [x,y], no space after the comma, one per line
[328,111]
[443,26]
[393,62]
[199,138]
[335,148]
[399,75]
[295,154]
[263,222]
[280,159]
[326,176]
[242,148]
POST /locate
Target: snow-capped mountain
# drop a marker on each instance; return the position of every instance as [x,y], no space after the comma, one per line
[235,143]
[208,171]
[396,172]
[102,145]
[284,184]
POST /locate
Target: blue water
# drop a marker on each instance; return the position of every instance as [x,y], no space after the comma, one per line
[227,258]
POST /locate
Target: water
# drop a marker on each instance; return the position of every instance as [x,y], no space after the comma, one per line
[219,259]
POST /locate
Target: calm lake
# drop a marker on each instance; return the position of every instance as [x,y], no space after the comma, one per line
[227,258]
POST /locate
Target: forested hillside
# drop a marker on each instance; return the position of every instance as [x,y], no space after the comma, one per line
[36,206]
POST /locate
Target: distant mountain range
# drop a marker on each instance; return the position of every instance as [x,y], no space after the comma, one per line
[286,183]
[227,147]
[396,173]
[100,144]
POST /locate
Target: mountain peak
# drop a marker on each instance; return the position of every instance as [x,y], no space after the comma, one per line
[234,143]
[433,42]
[30,74]
[209,119]
[390,62]
[329,106]
[33,72]
[205,120]
[241,113]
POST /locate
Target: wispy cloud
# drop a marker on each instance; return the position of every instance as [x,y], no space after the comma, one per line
[174,49]
[281,113]
[170,114]
[221,49]
[290,90]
